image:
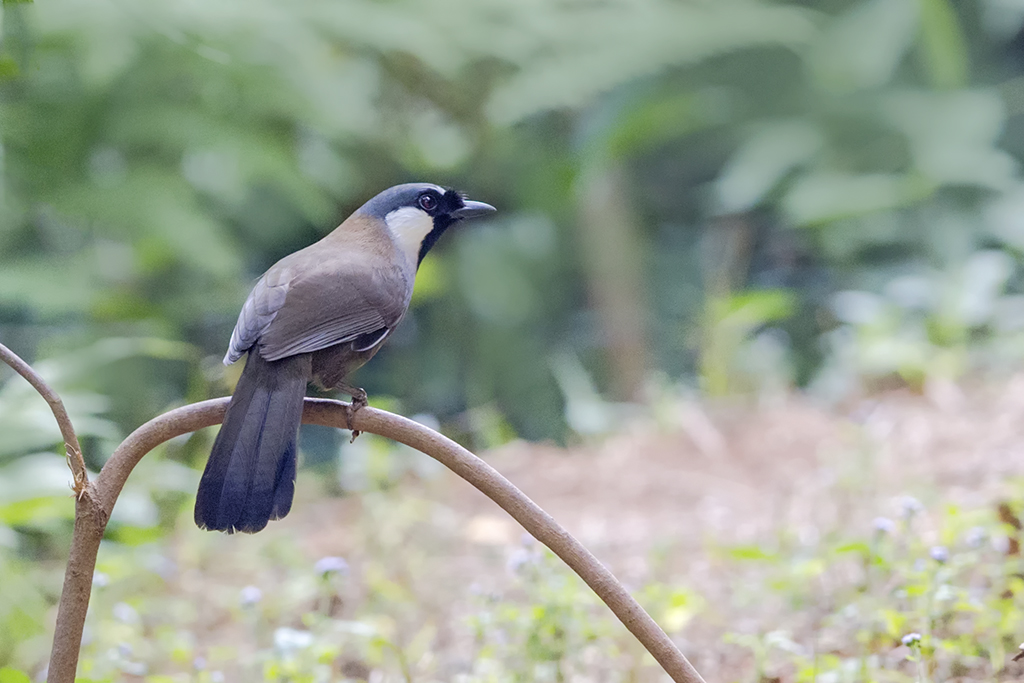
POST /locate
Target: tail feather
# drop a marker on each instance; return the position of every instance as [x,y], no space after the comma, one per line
[250,476]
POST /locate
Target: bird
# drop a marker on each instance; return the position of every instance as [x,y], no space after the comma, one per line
[315,316]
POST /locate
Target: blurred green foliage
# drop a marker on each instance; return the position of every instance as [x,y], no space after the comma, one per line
[740,195]
[651,159]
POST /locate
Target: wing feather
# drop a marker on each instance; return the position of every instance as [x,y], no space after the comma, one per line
[258,312]
[329,302]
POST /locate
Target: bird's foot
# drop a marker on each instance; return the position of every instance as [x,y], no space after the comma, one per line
[358,402]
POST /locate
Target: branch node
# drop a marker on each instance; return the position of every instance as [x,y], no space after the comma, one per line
[76,463]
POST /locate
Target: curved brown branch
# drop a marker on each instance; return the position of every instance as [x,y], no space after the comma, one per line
[90,521]
[72,449]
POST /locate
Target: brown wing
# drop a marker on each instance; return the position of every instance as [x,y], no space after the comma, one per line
[259,311]
[303,304]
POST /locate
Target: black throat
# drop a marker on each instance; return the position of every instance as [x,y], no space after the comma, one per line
[441,223]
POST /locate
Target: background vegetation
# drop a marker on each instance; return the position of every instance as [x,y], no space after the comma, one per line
[731,198]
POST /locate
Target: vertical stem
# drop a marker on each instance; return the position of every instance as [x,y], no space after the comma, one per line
[726,252]
[90,521]
[611,245]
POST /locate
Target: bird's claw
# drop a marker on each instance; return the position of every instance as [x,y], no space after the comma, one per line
[358,402]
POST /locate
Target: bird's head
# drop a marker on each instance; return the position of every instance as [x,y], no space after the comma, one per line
[417,214]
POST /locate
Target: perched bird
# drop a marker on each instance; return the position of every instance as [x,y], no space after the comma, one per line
[315,315]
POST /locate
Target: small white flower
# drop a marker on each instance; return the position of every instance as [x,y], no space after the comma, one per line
[125,613]
[100,580]
[331,565]
[162,566]
[520,558]
[912,639]
[250,596]
[939,553]
[135,668]
[288,640]
[975,537]
[884,525]
[910,506]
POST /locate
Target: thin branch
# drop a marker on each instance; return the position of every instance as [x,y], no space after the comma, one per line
[91,521]
[72,449]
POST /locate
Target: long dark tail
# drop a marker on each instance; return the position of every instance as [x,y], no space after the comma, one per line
[250,476]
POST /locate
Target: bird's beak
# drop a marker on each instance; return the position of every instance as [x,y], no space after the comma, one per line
[471,209]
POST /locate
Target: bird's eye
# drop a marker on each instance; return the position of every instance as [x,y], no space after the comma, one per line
[428,202]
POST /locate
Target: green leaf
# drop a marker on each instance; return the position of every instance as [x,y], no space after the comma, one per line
[751,552]
[31,283]
[611,43]
[828,196]
[942,44]
[8,67]
[748,310]
[764,160]
[653,121]
[954,136]
[858,547]
[135,536]
[863,47]
[7,674]
[37,511]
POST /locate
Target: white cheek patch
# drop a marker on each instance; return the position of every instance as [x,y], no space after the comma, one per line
[409,226]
